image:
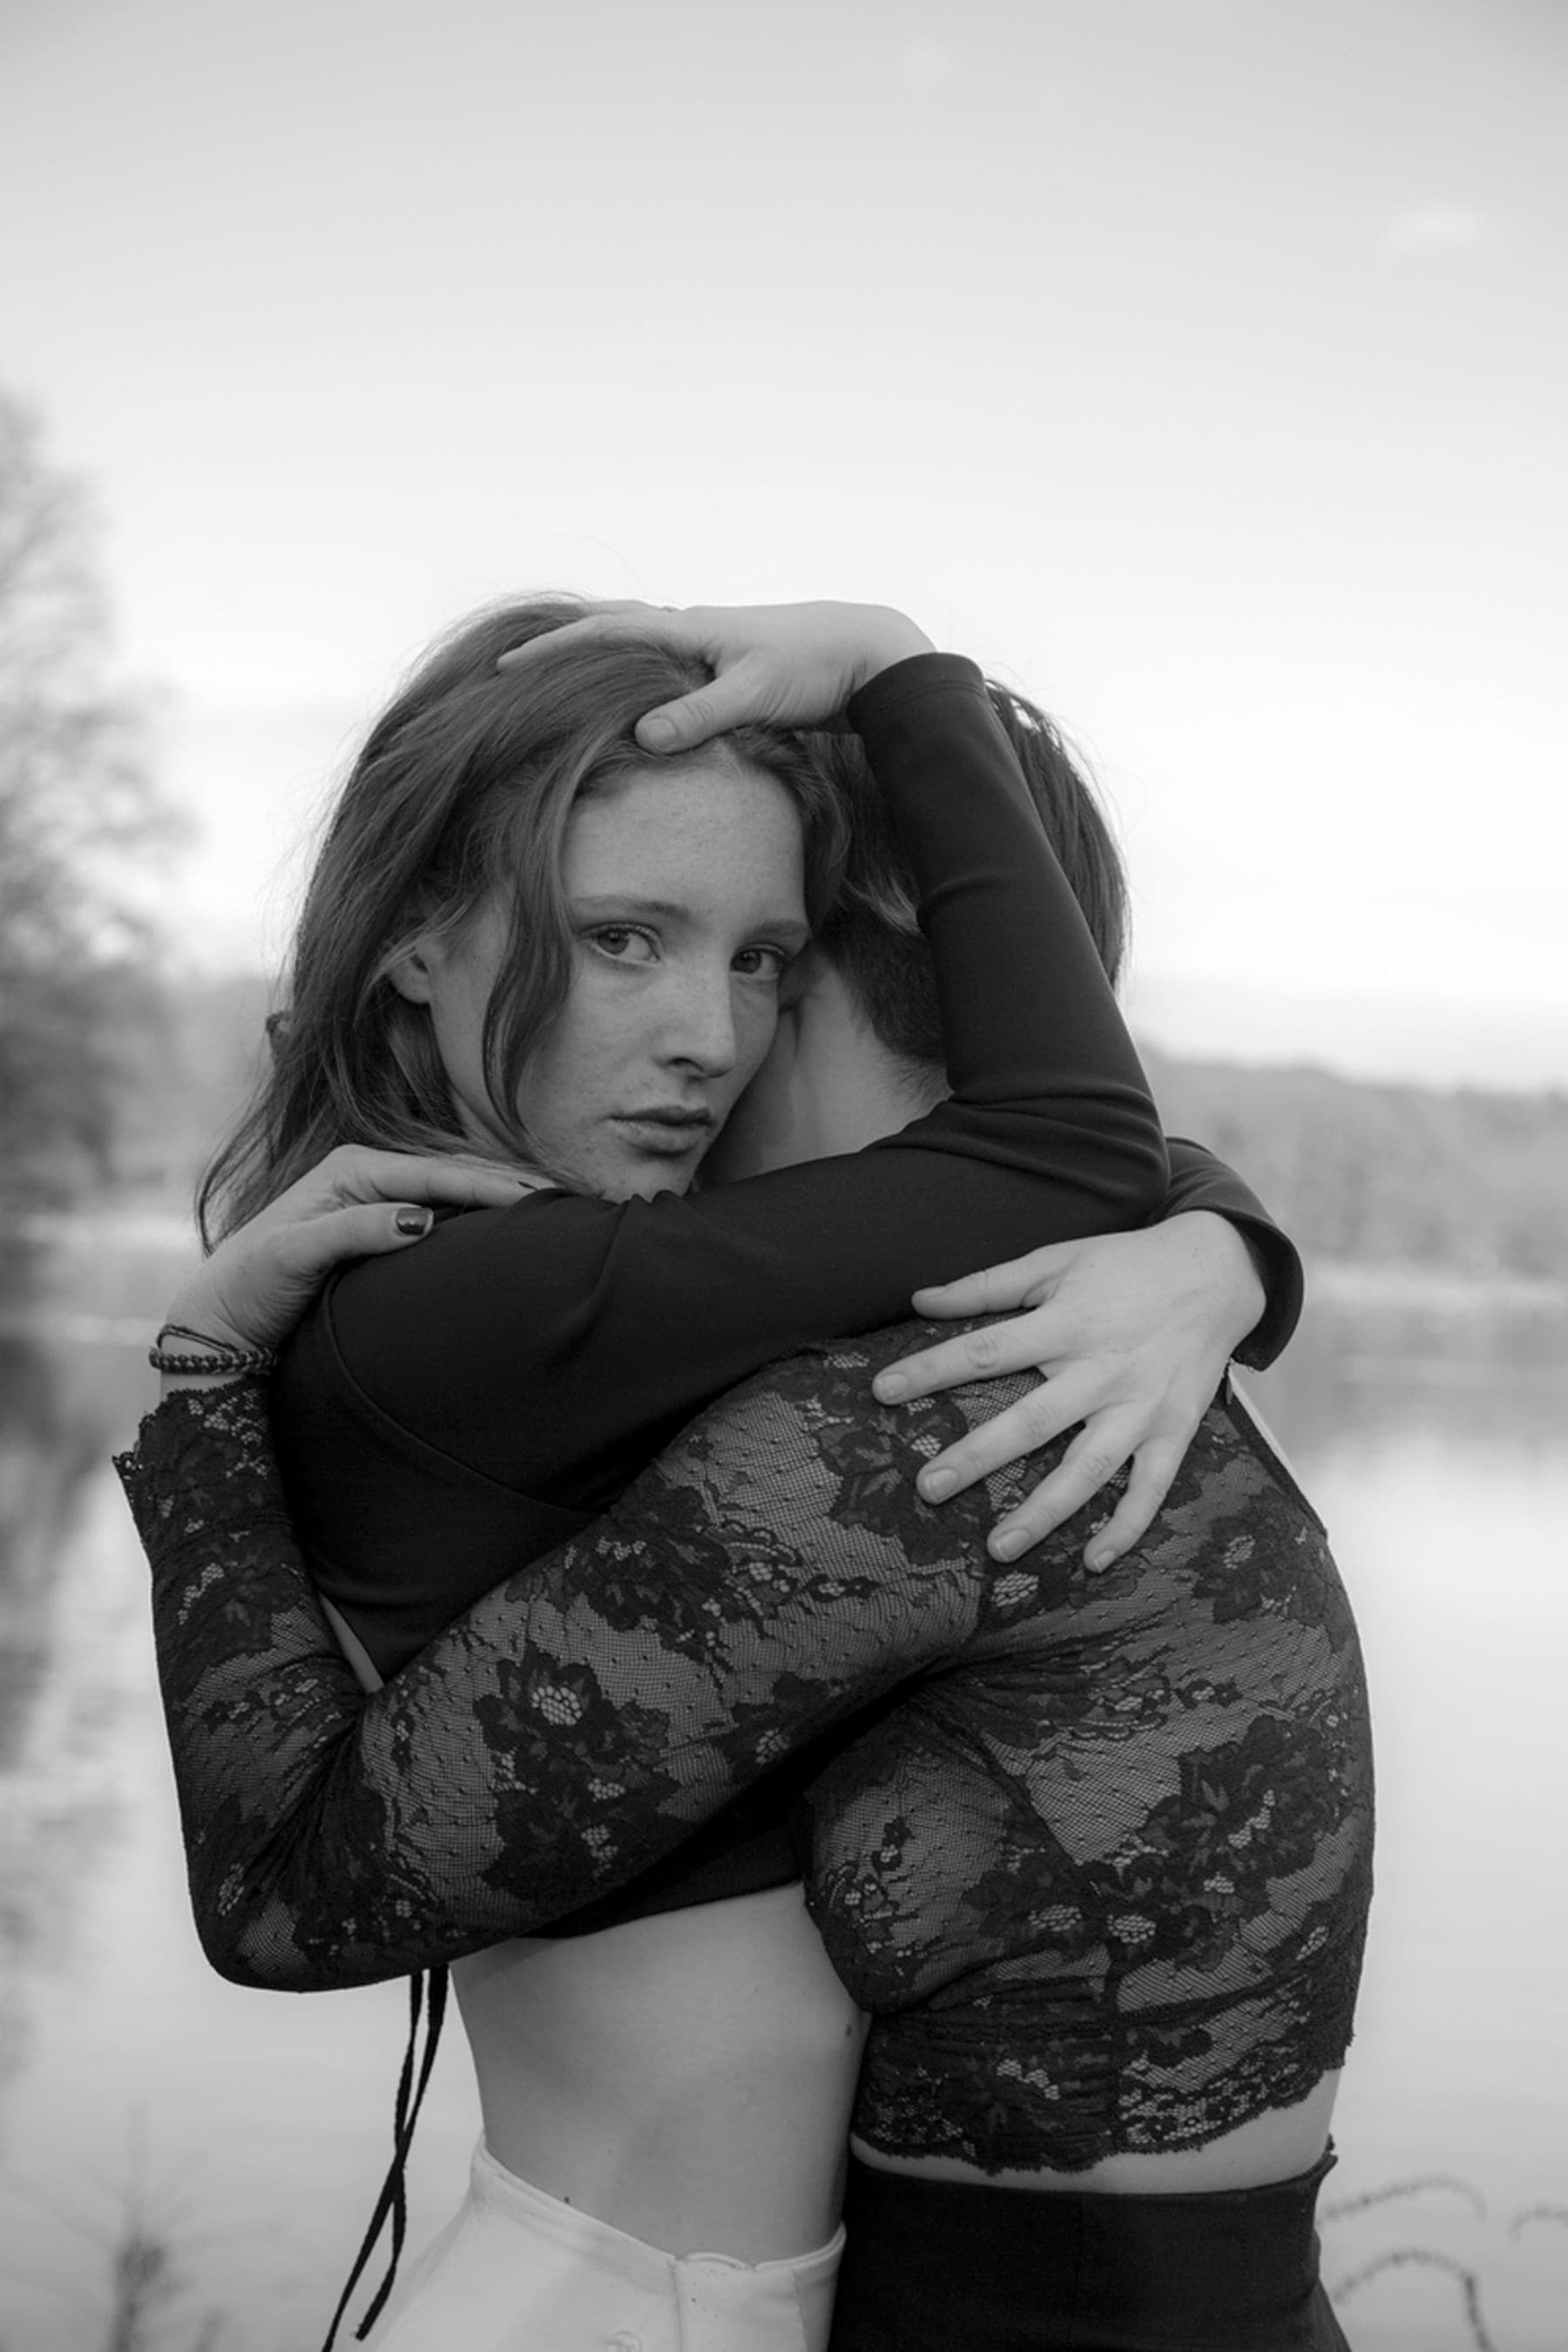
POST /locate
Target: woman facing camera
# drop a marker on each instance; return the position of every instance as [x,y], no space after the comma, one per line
[770,1629]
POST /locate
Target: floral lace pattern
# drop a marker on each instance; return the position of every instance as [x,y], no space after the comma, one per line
[1095,1850]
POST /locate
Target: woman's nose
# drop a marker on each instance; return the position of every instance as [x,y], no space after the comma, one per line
[702,1031]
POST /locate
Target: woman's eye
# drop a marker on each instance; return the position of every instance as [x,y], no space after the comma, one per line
[623,943]
[763,964]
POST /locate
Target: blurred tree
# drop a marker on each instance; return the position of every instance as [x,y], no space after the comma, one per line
[77,802]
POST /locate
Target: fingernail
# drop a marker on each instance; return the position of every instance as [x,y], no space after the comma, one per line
[936,1486]
[1006,1543]
[1099,1559]
[890,1386]
[657,734]
[415,1221]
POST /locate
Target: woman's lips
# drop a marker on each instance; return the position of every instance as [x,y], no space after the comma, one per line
[669,1133]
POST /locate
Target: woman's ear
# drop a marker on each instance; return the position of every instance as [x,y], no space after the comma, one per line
[412,972]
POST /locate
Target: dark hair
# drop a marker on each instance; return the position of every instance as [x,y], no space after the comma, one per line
[871,933]
[466,781]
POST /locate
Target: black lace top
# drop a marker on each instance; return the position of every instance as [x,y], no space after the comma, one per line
[1097,1859]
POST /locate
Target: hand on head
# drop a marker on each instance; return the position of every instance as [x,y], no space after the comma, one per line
[782,665]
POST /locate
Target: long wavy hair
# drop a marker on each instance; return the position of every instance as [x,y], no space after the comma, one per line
[464,785]
[871,933]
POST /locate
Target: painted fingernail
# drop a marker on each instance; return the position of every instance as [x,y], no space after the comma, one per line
[415,1221]
[1006,1543]
[936,1486]
[890,1386]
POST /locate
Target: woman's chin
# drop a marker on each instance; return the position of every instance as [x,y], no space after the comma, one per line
[629,1175]
[648,1183]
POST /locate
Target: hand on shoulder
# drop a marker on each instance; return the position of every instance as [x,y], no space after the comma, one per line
[356,1202]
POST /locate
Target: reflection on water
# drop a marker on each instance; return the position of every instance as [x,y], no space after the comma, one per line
[1378,1360]
[1431,1430]
[54,1773]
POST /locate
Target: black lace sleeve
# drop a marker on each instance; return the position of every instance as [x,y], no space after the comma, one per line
[1097,1856]
[573,1727]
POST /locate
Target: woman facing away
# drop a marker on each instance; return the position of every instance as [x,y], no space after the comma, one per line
[1232,2139]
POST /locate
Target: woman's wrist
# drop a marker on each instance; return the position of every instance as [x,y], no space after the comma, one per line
[194,1319]
[206,1354]
[1233,1278]
[890,638]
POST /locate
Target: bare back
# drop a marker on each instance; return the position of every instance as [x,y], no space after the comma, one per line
[687,2077]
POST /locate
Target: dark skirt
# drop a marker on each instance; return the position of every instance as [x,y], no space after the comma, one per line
[940,2266]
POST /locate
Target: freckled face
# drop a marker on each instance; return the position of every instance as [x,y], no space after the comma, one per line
[685,892]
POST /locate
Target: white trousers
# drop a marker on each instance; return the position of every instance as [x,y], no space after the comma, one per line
[515,2270]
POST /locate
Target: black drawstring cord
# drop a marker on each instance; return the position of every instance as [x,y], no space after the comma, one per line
[394,2197]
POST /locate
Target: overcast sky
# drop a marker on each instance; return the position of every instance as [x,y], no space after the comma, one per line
[1199,364]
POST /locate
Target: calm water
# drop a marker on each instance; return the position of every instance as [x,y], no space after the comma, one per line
[247,2132]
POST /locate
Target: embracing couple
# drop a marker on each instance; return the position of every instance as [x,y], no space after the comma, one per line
[599,1586]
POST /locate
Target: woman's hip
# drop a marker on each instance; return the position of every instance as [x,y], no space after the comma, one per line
[516,2271]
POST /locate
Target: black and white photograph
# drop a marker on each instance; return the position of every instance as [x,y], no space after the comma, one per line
[784,1176]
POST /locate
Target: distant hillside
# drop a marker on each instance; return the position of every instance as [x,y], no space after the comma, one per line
[1468,1182]
[1477,1182]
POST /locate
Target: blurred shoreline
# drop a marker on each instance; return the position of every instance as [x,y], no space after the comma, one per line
[1399,1282]
[163,1226]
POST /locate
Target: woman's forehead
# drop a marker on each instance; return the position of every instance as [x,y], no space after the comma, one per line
[707,815]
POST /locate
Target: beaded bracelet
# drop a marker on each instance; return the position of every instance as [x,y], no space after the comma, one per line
[219,1356]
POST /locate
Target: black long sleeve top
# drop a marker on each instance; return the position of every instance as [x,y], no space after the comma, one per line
[509,1377]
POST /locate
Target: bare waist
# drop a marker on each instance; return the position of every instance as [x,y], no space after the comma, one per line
[687,2078]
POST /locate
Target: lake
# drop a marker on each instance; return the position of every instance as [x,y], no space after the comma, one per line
[209,2155]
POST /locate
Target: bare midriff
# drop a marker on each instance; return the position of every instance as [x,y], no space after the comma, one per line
[687,2078]
[1274,2146]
